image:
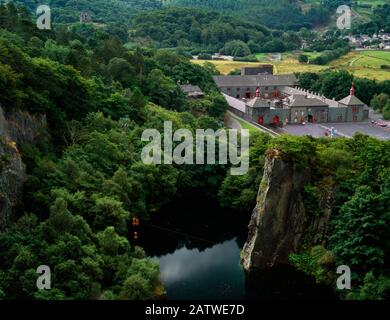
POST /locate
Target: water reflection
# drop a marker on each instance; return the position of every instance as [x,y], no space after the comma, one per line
[201,225]
[198,247]
[214,273]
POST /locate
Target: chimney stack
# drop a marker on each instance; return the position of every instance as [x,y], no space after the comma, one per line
[258,92]
[352,91]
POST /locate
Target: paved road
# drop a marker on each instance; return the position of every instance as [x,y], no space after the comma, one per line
[363,127]
[347,129]
[314,130]
[232,122]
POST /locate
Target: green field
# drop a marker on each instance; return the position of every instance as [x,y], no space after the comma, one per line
[361,9]
[365,64]
[288,64]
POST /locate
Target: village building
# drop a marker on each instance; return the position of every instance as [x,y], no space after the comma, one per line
[245,86]
[191,91]
[85,17]
[277,100]
[363,42]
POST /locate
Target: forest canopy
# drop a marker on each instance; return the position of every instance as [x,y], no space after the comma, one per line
[206,31]
[275,14]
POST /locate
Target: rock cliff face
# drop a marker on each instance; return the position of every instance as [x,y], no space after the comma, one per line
[16,129]
[279,224]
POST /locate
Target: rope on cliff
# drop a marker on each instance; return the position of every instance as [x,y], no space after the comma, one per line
[180,233]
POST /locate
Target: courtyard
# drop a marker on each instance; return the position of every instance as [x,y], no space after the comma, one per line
[347,129]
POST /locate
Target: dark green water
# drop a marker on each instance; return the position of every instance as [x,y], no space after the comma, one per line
[214,273]
[198,244]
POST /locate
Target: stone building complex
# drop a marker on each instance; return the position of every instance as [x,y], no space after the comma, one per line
[277,99]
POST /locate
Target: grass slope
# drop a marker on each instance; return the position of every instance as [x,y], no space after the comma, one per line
[365,64]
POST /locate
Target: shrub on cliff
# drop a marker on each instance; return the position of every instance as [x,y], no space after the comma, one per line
[300,150]
[317,262]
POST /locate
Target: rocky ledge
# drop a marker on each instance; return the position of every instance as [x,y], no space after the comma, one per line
[279,224]
[16,129]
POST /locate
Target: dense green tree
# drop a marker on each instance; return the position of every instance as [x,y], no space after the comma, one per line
[303,58]
[163,91]
[118,69]
[386,111]
[218,106]
[56,52]
[358,243]
[380,101]
[374,288]
[236,48]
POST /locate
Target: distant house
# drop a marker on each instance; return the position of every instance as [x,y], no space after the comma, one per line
[218,56]
[85,17]
[192,92]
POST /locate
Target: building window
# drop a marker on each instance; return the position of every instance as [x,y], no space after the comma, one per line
[238,89]
[248,89]
[266,88]
[228,89]
[275,88]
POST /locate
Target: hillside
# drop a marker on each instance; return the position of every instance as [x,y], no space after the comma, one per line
[363,11]
[277,14]
[175,27]
[85,181]
[102,11]
[286,14]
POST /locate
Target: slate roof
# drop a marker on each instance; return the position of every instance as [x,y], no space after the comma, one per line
[253,81]
[351,101]
[298,100]
[235,103]
[293,91]
[192,91]
[189,88]
[258,103]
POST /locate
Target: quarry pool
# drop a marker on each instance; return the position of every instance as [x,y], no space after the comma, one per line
[214,273]
[198,248]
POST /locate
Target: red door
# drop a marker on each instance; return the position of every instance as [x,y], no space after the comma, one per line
[260,120]
[276,120]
